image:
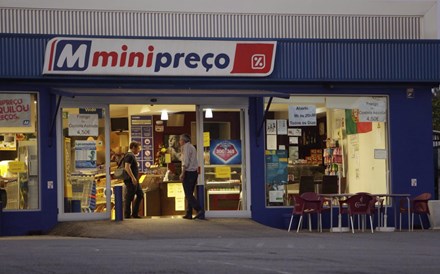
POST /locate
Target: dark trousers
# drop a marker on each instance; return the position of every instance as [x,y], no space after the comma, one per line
[189,184]
[132,190]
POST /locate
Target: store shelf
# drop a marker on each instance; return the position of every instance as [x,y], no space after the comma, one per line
[218,192]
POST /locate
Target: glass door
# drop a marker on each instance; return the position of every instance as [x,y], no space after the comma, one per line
[223,136]
[84,180]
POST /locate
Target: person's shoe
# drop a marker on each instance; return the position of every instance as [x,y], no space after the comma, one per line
[127,217]
[136,216]
[189,217]
[200,215]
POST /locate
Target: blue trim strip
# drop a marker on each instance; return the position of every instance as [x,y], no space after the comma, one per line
[297,60]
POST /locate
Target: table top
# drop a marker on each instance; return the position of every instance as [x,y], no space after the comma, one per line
[373,194]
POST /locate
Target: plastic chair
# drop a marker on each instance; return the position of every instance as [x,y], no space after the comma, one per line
[305,206]
[315,203]
[359,204]
[418,205]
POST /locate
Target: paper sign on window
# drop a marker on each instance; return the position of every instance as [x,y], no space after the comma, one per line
[223,172]
[302,116]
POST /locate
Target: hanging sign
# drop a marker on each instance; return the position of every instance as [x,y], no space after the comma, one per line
[15,110]
[83,124]
[302,116]
[372,109]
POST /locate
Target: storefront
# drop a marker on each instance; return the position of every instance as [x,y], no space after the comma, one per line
[352,115]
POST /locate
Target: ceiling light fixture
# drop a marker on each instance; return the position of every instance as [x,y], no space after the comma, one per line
[164,115]
[208,113]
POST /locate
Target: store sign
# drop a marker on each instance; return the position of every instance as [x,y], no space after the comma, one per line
[302,116]
[83,124]
[15,110]
[372,109]
[224,152]
[142,57]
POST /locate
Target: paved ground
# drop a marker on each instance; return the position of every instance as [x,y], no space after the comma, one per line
[215,246]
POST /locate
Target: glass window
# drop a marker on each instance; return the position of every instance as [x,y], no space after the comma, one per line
[224,159]
[19,171]
[84,160]
[326,145]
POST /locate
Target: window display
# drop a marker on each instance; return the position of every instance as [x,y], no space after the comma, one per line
[19,171]
[84,160]
[327,137]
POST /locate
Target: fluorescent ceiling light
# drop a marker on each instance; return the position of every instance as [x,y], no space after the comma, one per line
[208,113]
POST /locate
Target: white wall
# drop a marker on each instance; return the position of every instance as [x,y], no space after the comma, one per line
[353,7]
[431,26]
[364,173]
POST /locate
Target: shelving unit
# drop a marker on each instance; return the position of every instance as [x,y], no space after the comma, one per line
[222,193]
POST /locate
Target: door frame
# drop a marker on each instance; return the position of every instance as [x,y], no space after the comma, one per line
[245,136]
[81,216]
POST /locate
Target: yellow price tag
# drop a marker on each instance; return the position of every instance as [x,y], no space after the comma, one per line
[223,172]
[16,166]
[206,139]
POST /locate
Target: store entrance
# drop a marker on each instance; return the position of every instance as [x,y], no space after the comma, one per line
[218,133]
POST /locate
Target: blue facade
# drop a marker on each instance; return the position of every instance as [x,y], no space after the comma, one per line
[321,67]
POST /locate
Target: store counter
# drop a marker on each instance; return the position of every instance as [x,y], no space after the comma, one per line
[163,198]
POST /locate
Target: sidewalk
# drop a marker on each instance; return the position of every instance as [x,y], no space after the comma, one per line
[167,228]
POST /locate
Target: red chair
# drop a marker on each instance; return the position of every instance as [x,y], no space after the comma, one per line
[359,204]
[315,203]
[343,209]
[418,205]
[305,206]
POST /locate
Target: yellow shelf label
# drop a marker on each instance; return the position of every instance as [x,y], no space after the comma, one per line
[16,166]
[223,172]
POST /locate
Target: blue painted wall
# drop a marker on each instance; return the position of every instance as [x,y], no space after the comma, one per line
[301,67]
[40,221]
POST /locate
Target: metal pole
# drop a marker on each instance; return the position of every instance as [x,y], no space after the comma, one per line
[118,203]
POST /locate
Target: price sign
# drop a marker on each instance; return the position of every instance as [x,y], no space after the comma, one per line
[16,167]
[83,124]
[372,109]
[223,172]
